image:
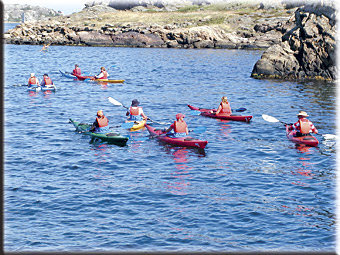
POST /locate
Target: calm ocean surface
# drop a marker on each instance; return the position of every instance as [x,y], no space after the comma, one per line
[251,189]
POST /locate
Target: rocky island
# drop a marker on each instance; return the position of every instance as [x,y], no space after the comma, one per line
[299,38]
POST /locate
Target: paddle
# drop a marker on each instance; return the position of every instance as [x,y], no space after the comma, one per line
[273,120]
[19,85]
[127,124]
[115,102]
[199,130]
[159,122]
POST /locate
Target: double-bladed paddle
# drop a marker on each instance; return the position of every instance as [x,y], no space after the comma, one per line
[115,102]
[197,112]
[275,120]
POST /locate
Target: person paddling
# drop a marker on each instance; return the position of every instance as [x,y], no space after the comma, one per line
[135,112]
[101,124]
[46,81]
[33,81]
[224,107]
[76,70]
[303,126]
[179,127]
[103,74]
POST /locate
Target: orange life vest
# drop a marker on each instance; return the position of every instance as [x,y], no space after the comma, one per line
[304,126]
[225,108]
[48,81]
[180,126]
[32,81]
[77,71]
[134,111]
[104,75]
[102,122]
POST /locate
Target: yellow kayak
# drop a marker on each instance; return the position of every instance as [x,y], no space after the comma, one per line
[109,81]
[138,125]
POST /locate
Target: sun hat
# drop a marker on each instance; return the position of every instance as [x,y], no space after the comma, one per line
[32,74]
[302,113]
[100,113]
[179,116]
[134,103]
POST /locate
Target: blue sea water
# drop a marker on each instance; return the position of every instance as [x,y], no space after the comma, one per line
[251,189]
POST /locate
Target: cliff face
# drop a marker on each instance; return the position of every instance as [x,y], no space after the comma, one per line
[16,13]
[307,50]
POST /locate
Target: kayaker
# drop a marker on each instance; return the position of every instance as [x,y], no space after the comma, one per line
[303,126]
[101,124]
[33,81]
[46,80]
[102,75]
[179,127]
[135,112]
[224,107]
[76,70]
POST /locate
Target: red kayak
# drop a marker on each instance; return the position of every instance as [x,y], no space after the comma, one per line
[180,141]
[81,77]
[308,140]
[207,113]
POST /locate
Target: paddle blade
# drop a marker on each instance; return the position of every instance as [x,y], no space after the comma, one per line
[269,118]
[240,109]
[127,124]
[329,136]
[114,101]
[199,130]
[195,112]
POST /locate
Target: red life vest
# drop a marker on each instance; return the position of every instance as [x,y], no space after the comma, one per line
[180,126]
[304,126]
[48,81]
[77,71]
[104,75]
[225,108]
[134,111]
[32,81]
[102,122]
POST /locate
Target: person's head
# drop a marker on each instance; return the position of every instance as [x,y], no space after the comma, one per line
[224,99]
[76,65]
[302,114]
[100,114]
[134,103]
[32,74]
[45,75]
[102,68]
[180,116]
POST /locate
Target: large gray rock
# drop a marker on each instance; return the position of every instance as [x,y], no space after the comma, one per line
[134,39]
[307,49]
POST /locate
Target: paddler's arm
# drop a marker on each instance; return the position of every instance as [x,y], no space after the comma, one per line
[169,128]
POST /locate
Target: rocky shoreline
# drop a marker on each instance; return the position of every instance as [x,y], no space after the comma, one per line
[307,49]
[300,42]
[259,29]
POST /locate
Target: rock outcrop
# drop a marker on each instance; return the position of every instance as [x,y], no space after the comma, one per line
[307,49]
[25,12]
[255,30]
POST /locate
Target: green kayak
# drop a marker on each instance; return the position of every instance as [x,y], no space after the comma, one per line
[112,138]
